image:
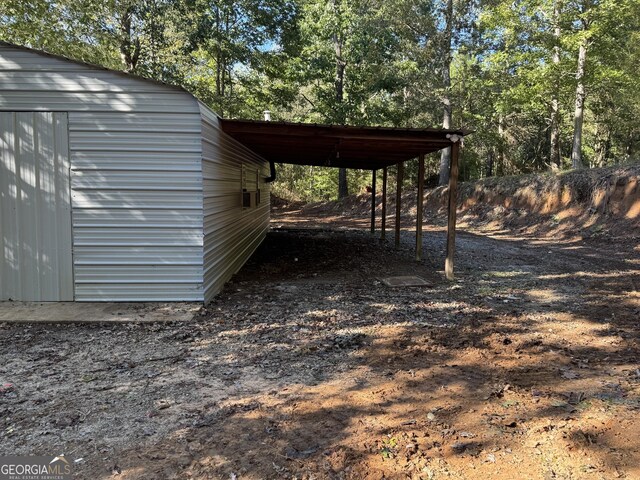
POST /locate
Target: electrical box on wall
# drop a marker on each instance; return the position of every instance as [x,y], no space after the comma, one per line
[250,196]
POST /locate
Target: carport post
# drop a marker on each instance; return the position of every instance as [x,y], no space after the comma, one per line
[453,200]
[383,227]
[399,177]
[373,202]
[419,207]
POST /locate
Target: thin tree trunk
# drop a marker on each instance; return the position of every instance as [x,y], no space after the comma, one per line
[578,117]
[603,144]
[629,149]
[343,186]
[218,54]
[153,40]
[554,153]
[490,161]
[225,57]
[129,47]
[501,166]
[445,156]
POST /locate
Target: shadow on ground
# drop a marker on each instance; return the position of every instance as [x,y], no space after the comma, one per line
[307,366]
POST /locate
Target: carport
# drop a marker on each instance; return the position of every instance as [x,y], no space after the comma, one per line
[364,148]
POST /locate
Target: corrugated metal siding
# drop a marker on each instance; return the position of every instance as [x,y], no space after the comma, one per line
[35,212]
[16,59]
[231,233]
[27,79]
[138,122]
[136,176]
[94,102]
[137,224]
[82,79]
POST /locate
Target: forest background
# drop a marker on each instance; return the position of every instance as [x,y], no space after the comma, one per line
[545,85]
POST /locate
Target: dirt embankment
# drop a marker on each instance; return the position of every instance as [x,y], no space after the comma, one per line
[585,203]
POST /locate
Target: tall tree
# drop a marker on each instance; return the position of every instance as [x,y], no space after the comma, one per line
[346,71]
[580,95]
[231,41]
[445,156]
[341,65]
[129,41]
[578,116]
[600,40]
[554,152]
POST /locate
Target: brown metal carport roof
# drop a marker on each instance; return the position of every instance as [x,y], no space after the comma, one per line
[367,148]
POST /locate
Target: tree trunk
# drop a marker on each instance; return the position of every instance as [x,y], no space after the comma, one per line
[490,160]
[554,153]
[578,117]
[129,47]
[630,147]
[218,55]
[343,186]
[603,144]
[501,167]
[445,156]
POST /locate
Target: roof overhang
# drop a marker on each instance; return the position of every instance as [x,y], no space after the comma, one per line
[367,148]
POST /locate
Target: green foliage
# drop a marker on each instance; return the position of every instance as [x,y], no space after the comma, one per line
[373,62]
[316,184]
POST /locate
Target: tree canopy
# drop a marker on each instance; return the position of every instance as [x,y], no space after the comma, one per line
[545,84]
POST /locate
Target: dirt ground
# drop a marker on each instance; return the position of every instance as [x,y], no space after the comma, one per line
[308,367]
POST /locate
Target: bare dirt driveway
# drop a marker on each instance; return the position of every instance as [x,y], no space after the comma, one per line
[308,367]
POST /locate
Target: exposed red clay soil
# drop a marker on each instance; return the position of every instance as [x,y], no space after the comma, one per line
[577,204]
[308,367]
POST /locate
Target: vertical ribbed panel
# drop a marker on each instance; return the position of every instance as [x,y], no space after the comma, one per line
[35,213]
[231,233]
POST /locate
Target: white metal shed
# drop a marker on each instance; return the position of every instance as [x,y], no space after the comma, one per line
[118,188]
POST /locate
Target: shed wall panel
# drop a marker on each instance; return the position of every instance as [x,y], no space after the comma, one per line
[140,141]
[136,180]
[136,175]
[137,199]
[166,162]
[121,209]
[78,79]
[136,292]
[95,102]
[138,255]
[34,81]
[231,233]
[177,219]
[172,123]
[35,212]
[12,58]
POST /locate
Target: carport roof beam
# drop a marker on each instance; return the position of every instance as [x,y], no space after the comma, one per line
[368,148]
